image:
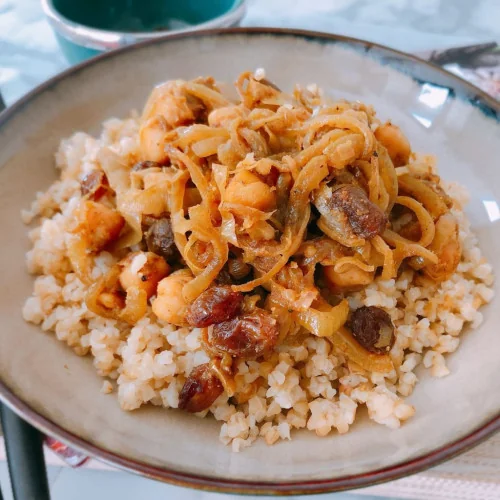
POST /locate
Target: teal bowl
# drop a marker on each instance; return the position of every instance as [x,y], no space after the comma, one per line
[85,28]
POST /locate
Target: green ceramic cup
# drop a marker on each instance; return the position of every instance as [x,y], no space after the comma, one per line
[85,28]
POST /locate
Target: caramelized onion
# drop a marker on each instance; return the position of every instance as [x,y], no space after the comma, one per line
[353,350]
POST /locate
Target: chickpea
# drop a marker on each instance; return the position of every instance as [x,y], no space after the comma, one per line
[99,224]
[245,188]
[396,143]
[169,106]
[220,117]
[112,301]
[350,279]
[152,136]
[169,304]
[446,245]
[153,269]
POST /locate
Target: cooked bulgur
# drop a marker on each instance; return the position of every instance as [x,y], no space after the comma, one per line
[301,385]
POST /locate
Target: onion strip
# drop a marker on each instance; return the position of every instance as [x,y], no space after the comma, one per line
[324,323]
[352,261]
[202,228]
[345,121]
[389,267]
[427,226]
[297,218]
[350,347]
[417,189]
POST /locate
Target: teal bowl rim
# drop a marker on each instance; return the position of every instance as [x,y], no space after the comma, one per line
[98,39]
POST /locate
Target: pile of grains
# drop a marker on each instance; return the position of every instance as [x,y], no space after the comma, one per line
[300,386]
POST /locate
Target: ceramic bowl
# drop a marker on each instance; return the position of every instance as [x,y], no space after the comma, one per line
[58,392]
[85,28]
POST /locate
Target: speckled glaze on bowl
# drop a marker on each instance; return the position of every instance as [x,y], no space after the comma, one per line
[58,392]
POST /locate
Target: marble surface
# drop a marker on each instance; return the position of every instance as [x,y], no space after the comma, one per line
[29,54]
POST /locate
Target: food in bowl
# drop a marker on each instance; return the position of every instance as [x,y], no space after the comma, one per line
[276,260]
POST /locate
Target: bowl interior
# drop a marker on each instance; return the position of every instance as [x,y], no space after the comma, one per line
[141,16]
[65,389]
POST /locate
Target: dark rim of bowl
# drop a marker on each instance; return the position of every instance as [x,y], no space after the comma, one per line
[464,89]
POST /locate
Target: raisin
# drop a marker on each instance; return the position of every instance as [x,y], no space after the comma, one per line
[366,219]
[200,390]
[235,272]
[214,305]
[160,239]
[224,278]
[94,185]
[238,269]
[247,336]
[198,109]
[373,329]
[143,165]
